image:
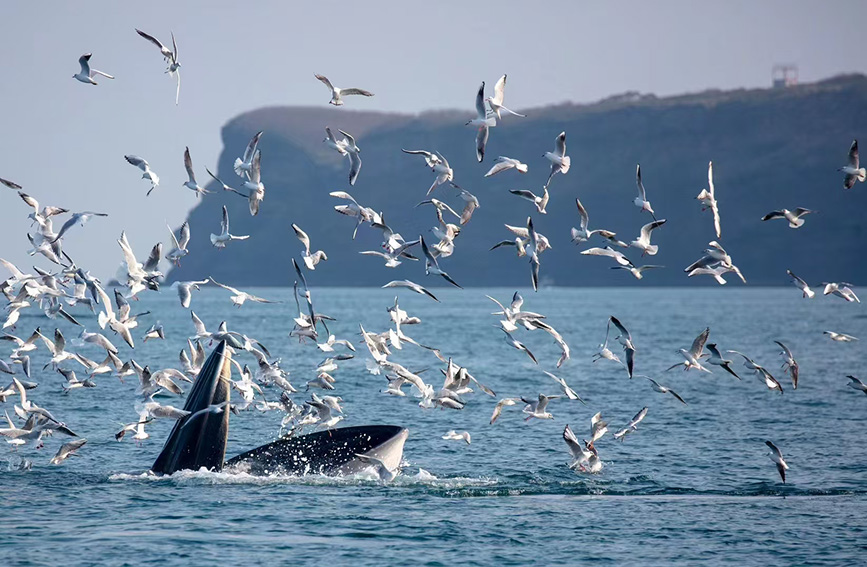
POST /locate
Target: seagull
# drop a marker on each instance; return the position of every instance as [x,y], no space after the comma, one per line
[763,375]
[346,147]
[328,346]
[239,297]
[840,337]
[636,271]
[643,240]
[185,291]
[632,425]
[794,217]
[505,402]
[777,457]
[393,258]
[431,266]
[412,287]
[171,57]
[604,351]
[310,260]
[143,165]
[598,428]
[625,339]
[857,384]
[219,240]
[86,74]
[10,184]
[191,183]
[583,234]
[484,120]
[609,252]
[641,201]
[560,162]
[452,435]
[338,93]
[179,244]
[802,285]
[161,411]
[511,341]
[692,357]
[790,365]
[708,199]
[580,455]
[496,101]
[379,467]
[155,332]
[254,184]
[137,426]
[843,290]
[505,163]
[717,359]
[664,390]
[567,391]
[537,408]
[540,202]
[67,450]
[854,172]
[244,164]
[77,218]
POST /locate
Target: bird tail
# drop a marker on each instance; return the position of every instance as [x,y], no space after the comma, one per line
[239,170]
[567,162]
[214,239]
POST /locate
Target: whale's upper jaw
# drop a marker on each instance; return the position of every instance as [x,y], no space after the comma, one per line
[203,442]
[329,452]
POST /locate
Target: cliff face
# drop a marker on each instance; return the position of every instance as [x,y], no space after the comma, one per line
[771,149]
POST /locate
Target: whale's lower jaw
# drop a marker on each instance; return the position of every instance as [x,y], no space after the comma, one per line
[330,452]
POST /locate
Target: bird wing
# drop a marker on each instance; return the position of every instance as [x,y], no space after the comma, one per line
[251,147]
[302,236]
[480,101]
[354,167]
[499,91]
[502,165]
[786,350]
[188,165]
[137,161]
[482,136]
[641,192]
[355,91]
[9,184]
[648,228]
[774,215]
[853,155]
[698,343]
[325,80]
[524,193]
[256,167]
[710,186]
[85,65]
[582,212]
[560,145]
[151,39]
[225,222]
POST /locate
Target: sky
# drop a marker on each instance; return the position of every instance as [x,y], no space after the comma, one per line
[64,141]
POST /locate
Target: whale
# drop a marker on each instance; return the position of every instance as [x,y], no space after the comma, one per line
[199,439]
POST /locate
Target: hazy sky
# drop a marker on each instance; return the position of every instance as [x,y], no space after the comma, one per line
[64,140]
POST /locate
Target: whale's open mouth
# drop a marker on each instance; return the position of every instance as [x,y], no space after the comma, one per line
[199,440]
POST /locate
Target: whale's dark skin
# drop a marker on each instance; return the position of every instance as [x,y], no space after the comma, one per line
[202,441]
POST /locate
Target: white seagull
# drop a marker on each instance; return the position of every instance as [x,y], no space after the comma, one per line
[643,240]
[337,93]
[310,260]
[540,201]
[484,120]
[191,182]
[143,165]
[802,285]
[220,240]
[86,74]
[179,244]
[560,162]
[794,217]
[171,57]
[505,163]
[840,337]
[777,457]
[641,201]
[244,164]
[496,101]
[708,199]
[853,170]
[452,435]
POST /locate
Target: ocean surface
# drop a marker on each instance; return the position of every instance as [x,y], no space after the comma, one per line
[693,486]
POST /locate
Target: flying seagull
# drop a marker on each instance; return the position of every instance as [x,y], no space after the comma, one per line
[707,197]
[560,162]
[505,163]
[143,165]
[496,101]
[220,240]
[412,286]
[338,93]
[243,164]
[641,201]
[484,120]
[777,457]
[794,217]
[802,285]
[86,74]
[191,181]
[170,56]
[853,170]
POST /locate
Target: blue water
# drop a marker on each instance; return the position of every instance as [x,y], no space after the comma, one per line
[693,486]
